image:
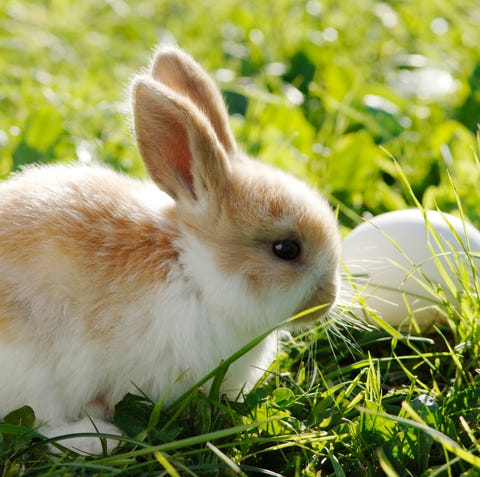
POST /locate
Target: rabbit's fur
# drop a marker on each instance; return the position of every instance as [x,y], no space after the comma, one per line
[107,282]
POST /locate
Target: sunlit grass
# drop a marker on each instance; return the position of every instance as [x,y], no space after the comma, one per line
[331,93]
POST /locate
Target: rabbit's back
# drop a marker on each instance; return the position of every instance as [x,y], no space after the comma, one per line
[80,250]
[74,237]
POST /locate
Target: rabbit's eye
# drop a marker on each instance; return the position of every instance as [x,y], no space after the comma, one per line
[286,249]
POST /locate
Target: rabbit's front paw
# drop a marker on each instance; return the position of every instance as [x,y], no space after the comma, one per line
[88,444]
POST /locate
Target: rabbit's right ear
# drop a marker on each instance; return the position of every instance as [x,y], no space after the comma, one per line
[178,144]
[180,72]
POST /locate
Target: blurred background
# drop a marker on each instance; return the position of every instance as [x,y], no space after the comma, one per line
[334,92]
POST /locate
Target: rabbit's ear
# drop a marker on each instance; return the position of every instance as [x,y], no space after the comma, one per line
[180,72]
[178,145]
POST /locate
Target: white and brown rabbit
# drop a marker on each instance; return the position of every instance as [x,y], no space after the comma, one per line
[107,282]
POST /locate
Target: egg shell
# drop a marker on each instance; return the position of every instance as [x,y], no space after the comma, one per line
[398,257]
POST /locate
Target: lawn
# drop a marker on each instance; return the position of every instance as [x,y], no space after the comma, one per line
[376,104]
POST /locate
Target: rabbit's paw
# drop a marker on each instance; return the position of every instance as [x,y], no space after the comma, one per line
[88,444]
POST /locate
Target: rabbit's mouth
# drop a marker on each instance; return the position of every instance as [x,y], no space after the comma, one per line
[318,305]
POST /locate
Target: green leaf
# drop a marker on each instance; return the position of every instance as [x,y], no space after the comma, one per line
[42,134]
[24,416]
[132,414]
[17,427]
[338,81]
[353,163]
[301,71]
[24,155]
[283,397]
[43,128]
[255,397]
[376,429]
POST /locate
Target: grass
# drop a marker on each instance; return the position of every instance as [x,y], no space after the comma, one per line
[330,93]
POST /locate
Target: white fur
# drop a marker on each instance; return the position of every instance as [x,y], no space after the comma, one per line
[83,323]
[185,337]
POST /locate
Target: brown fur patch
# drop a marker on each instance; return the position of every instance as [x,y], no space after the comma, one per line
[82,243]
[13,315]
[266,213]
[255,212]
[129,255]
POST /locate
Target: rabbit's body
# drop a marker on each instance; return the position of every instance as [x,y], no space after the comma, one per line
[96,297]
[107,283]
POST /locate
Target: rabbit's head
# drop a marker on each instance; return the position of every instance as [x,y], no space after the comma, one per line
[257,244]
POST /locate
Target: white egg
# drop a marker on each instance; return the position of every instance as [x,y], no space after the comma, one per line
[397,261]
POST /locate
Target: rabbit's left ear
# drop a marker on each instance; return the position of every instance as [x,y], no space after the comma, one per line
[178,144]
[180,72]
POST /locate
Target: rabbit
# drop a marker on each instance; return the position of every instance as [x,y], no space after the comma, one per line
[108,283]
